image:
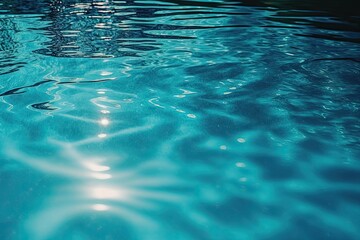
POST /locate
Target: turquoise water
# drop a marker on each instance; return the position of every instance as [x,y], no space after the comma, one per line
[158,120]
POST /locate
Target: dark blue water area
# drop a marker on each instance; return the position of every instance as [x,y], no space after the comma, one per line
[188,120]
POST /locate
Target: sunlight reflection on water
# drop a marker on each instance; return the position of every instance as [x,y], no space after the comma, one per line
[88,181]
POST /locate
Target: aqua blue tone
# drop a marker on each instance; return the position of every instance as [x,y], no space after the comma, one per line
[179,120]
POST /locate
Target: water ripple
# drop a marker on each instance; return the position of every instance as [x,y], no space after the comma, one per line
[179,120]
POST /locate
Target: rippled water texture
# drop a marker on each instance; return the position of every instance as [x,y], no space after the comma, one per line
[189,120]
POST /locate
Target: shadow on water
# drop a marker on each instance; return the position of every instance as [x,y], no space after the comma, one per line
[104,29]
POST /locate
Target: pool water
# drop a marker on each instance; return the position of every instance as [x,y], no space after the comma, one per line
[189,120]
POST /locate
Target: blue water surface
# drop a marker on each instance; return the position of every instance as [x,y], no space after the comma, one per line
[184,120]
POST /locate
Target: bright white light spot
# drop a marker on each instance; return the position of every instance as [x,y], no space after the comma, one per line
[100,207]
[102,135]
[240,164]
[191,115]
[105,111]
[105,73]
[105,193]
[95,167]
[223,147]
[101,92]
[241,140]
[101,176]
[104,121]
